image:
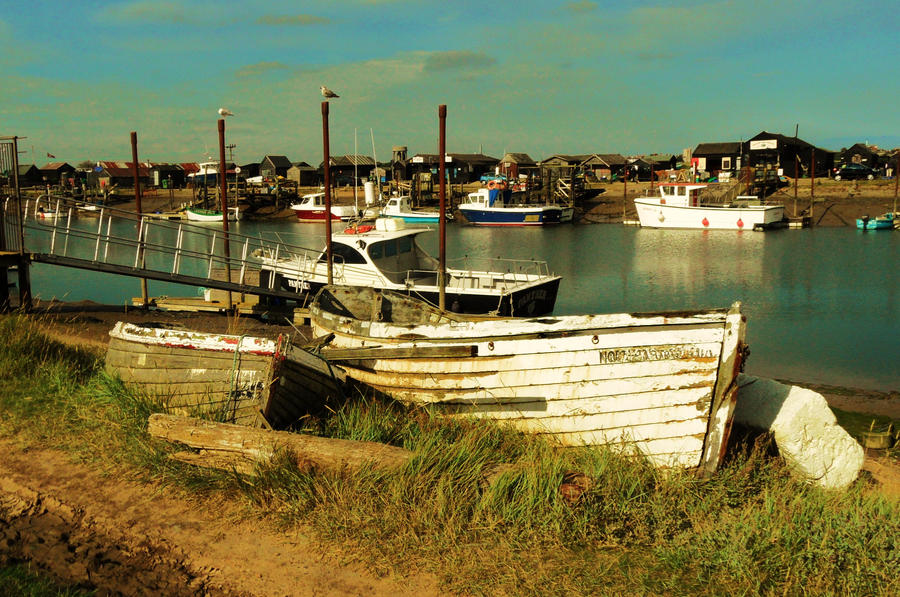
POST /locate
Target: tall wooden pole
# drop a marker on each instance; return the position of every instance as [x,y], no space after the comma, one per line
[625,191]
[327,159]
[812,184]
[223,186]
[442,226]
[796,177]
[145,301]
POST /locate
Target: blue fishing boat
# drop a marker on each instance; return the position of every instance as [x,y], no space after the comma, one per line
[493,206]
[883,222]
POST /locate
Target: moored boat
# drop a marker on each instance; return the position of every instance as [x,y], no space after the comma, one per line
[387,256]
[659,383]
[311,208]
[399,207]
[883,222]
[199,214]
[682,205]
[493,206]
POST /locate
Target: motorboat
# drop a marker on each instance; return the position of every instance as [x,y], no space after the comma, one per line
[311,208]
[494,206]
[682,205]
[400,207]
[387,256]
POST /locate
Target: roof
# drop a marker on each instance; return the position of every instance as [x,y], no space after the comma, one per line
[466,158]
[279,161]
[728,148]
[302,166]
[522,159]
[787,141]
[352,160]
[190,167]
[123,169]
[26,168]
[57,166]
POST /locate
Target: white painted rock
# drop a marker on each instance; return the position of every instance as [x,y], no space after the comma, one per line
[808,437]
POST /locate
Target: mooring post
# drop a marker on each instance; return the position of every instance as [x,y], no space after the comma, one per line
[327,159]
[442,226]
[145,301]
[812,184]
[796,177]
[223,186]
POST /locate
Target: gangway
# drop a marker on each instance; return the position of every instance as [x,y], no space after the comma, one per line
[60,231]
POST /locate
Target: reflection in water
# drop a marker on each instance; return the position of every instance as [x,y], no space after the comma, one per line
[822,304]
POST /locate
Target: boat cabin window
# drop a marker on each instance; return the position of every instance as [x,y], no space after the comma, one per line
[342,254]
[680,191]
[394,257]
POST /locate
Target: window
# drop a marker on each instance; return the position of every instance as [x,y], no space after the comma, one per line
[726,163]
[343,254]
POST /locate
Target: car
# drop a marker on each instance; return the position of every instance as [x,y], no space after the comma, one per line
[855,172]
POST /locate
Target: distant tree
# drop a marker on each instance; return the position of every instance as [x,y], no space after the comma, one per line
[86,164]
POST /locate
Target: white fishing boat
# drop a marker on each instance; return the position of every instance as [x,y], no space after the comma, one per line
[400,207]
[311,208]
[682,205]
[199,214]
[387,256]
[659,383]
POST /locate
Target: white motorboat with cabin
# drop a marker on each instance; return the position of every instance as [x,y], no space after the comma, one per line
[684,205]
[400,207]
[311,208]
[387,256]
[662,383]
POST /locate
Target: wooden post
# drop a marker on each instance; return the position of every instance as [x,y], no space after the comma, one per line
[442,226]
[625,191]
[327,158]
[812,184]
[796,177]
[145,301]
[223,186]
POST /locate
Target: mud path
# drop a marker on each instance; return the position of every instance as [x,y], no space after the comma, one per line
[132,539]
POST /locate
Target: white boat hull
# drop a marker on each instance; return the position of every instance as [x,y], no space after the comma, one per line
[652,213]
[659,384]
[204,215]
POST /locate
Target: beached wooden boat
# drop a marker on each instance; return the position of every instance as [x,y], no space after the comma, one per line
[240,379]
[661,383]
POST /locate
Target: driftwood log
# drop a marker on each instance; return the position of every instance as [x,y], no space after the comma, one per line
[227,446]
[235,447]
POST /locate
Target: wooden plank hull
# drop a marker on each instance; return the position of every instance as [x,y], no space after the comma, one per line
[658,383]
[241,379]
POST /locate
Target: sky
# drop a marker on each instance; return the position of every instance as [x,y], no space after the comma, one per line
[538,77]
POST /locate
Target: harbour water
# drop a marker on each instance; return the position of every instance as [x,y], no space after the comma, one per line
[823,304]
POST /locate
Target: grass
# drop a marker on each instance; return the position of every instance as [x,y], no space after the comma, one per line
[20,580]
[749,529]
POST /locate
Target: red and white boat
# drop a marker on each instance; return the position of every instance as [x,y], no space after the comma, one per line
[312,209]
[682,205]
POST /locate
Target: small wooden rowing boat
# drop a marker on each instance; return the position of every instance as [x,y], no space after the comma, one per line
[239,379]
[660,383]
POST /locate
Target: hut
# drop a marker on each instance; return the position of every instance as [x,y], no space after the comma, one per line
[58,173]
[272,166]
[517,165]
[772,151]
[303,174]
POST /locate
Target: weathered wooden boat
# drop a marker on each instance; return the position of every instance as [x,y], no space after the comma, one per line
[659,383]
[682,205]
[240,379]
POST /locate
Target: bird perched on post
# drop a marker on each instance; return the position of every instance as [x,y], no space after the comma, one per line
[225,112]
[327,92]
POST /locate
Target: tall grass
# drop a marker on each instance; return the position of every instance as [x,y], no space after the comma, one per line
[634,529]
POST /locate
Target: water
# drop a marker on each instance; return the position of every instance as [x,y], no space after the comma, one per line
[822,304]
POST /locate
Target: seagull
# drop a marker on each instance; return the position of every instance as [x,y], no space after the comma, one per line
[225,112]
[327,92]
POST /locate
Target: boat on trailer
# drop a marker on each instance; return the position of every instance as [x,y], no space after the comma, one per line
[662,384]
[242,379]
[682,205]
[387,256]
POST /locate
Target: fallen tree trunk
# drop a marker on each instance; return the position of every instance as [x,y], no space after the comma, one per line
[235,446]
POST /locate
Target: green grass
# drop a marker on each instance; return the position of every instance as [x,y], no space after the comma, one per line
[20,580]
[749,529]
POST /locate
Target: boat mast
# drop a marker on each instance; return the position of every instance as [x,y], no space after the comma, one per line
[355,177]
[442,226]
[375,169]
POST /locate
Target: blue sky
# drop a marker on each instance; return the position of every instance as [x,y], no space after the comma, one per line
[527,76]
